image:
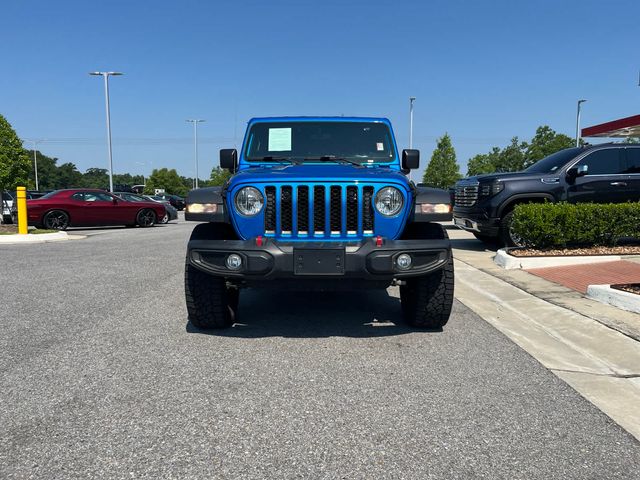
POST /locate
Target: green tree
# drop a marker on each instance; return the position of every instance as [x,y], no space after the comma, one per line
[545,142]
[519,155]
[443,170]
[47,171]
[219,176]
[96,178]
[67,176]
[483,163]
[127,179]
[14,160]
[512,157]
[167,179]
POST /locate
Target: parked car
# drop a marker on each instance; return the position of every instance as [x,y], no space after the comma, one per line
[6,207]
[171,212]
[9,207]
[604,173]
[319,203]
[90,207]
[174,200]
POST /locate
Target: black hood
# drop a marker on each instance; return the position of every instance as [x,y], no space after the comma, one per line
[507,176]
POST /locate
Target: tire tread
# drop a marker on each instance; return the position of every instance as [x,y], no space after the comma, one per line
[427,300]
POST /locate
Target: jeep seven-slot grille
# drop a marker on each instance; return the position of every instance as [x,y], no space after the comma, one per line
[318,211]
[466,195]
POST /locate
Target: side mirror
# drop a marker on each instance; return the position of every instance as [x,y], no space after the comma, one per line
[410,159]
[582,170]
[575,172]
[229,159]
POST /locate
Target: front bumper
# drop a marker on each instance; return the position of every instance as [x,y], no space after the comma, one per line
[318,260]
[478,222]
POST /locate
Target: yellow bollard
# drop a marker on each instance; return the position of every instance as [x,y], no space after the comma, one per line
[22,210]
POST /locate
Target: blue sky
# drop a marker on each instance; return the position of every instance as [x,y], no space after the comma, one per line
[483,71]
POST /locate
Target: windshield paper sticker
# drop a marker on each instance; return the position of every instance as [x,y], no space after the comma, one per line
[380,146]
[279,139]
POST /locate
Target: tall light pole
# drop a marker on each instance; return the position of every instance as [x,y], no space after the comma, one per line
[411,100]
[580,102]
[35,160]
[195,122]
[144,164]
[106,76]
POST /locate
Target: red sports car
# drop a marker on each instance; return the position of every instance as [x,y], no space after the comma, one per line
[89,207]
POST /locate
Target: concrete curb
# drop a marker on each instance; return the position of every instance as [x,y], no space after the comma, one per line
[34,238]
[617,298]
[509,262]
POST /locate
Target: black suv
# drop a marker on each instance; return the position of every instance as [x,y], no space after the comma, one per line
[605,173]
[175,201]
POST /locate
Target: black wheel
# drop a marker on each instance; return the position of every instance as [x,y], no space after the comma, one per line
[210,303]
[146,218]
[507,236]
[427,300]
[56,220]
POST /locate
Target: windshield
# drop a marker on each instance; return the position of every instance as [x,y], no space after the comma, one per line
[51,194]
[362,142]
[553,162]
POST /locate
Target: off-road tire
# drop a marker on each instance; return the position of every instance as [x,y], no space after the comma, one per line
[427,300]
[210,303]
[507,237]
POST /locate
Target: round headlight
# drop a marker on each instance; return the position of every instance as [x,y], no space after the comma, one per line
[249,201]
[389,201]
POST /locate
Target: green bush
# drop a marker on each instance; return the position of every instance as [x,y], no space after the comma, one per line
[545,225]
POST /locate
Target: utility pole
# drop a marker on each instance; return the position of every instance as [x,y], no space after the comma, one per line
[106,76]
[580,102]
[195,122]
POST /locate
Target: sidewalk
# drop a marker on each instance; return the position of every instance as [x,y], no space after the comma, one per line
[579,277]
[593,347]
[473,252]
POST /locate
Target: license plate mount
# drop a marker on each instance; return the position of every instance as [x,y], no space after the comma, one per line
[326,261]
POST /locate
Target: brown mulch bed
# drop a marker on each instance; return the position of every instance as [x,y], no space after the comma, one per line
[555,252]
[629,287]
[8,229]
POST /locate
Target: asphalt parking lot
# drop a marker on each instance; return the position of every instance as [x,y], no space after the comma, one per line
[103,377]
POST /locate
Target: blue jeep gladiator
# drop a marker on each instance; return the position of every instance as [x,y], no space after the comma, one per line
[318,203]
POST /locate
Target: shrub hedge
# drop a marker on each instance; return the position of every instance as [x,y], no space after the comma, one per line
[546,225]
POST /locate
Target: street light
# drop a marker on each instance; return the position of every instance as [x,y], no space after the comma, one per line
[195,122]
[411,100]
[144,164]
[106,76]
[580,102]
[35,159]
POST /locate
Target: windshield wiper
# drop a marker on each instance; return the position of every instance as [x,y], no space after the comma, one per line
[280,160]
[333,158]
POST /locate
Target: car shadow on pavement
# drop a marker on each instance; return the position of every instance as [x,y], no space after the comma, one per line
[267,313]
[474,245]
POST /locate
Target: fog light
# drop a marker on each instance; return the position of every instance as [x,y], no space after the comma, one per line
[234,261]
[403,261]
